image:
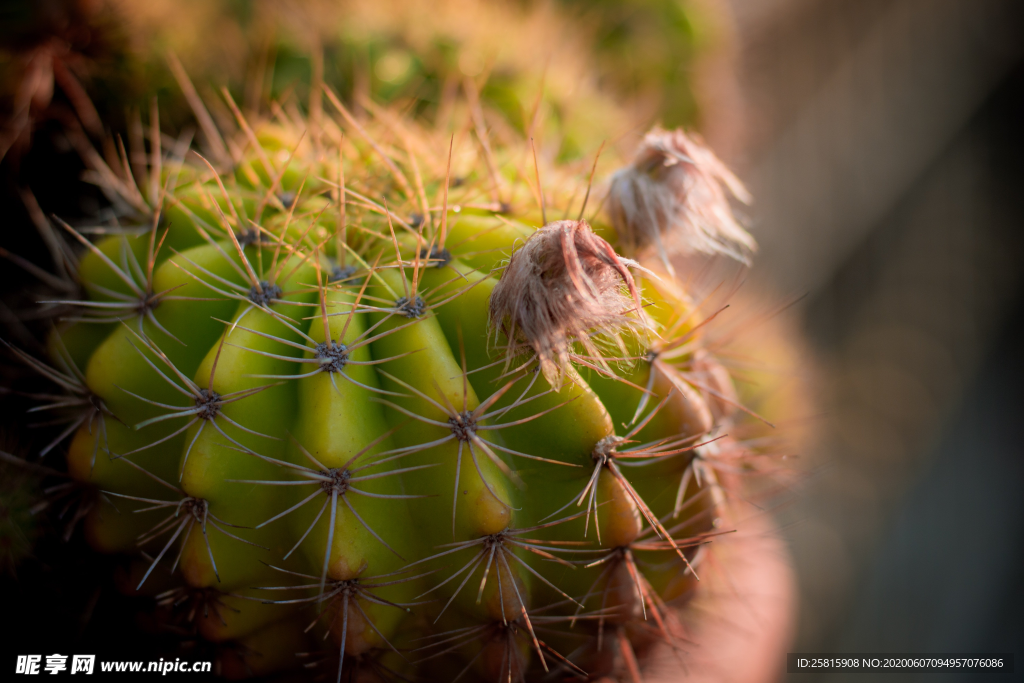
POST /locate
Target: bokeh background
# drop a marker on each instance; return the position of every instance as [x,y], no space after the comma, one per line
[883,141]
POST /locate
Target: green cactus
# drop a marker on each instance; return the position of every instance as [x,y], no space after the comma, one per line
[353,382]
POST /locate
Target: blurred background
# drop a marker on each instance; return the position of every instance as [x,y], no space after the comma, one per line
[883,141]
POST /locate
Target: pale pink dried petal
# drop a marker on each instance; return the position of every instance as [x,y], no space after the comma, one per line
[564,284]
[675,199]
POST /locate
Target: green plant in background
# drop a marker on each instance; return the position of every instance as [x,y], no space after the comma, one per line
[389,380]
[536,72]
[106,60]
[648,48]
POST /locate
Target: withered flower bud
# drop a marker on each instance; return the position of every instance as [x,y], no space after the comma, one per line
[564,284]
[674,199]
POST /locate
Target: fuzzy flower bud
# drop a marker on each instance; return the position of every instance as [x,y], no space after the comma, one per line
[565,283]
[674,198]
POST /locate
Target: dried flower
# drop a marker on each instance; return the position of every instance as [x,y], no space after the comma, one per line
[674,198]
[564,283]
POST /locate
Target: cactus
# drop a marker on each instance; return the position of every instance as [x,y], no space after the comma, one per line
[354,384]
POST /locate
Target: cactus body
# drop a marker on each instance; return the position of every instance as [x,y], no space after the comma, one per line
[327,382]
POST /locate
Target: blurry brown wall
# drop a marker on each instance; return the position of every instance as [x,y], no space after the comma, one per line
[879,139]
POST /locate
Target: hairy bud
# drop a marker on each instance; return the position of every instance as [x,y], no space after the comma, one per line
[674,198]
[564,283]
